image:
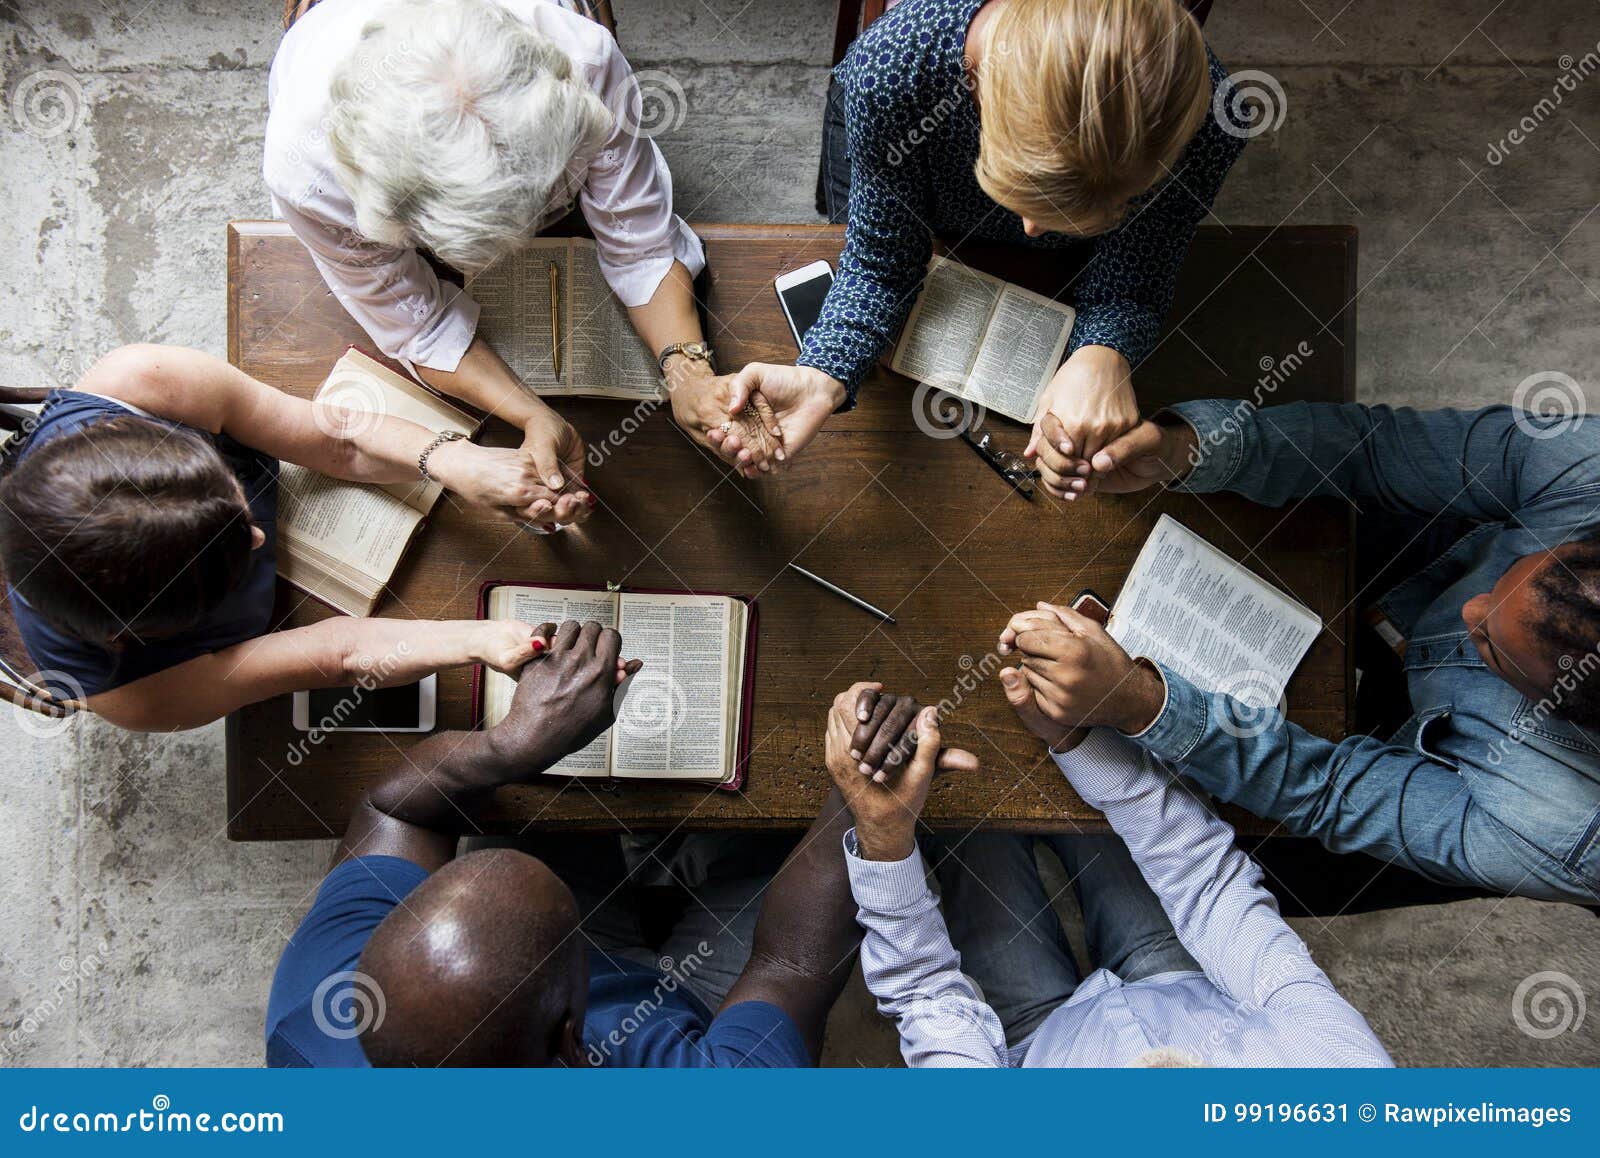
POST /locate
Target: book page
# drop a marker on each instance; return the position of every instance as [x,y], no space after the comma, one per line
[513,297]
[533,606]
[607,355]
[1021,350]
[364,527]
[1218,625]
[946,326]
[358,382]
[674,718]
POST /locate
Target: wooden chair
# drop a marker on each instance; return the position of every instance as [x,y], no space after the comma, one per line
[15,682]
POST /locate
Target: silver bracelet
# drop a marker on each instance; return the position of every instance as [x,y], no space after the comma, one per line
[439,440]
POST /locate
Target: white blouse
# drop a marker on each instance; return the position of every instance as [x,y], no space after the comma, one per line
[625,192]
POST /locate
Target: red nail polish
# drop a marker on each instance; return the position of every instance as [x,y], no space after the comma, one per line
[591,500]
[538,644]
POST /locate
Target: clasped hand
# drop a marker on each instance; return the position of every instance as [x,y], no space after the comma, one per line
[882,752]
[566,695]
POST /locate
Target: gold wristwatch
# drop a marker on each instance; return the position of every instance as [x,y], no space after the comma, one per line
[699,351]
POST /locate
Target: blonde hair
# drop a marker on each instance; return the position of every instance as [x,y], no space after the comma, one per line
[1085,104]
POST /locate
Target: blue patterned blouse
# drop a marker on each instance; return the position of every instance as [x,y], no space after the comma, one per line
[912,132]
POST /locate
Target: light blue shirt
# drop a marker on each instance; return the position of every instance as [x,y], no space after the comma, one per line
[1261,1000]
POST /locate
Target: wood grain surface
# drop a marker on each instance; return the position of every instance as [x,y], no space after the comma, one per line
[915,524]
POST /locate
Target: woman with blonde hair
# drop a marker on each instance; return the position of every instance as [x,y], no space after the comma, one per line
[1076,125]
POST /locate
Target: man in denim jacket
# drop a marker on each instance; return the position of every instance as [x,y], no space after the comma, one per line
[1494,781]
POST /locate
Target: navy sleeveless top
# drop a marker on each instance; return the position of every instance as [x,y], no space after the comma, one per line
[246,611]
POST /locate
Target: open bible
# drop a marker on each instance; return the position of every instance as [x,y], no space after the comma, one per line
[1187,605]
[977,337]
[686,715]
[601,356]
[341,541]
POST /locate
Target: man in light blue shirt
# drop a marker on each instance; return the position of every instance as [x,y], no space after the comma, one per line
[1494,780]
[1241,990]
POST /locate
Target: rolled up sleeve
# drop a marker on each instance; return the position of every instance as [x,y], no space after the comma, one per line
[627,197]
[391,292]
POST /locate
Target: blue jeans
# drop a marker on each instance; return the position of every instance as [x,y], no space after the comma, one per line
[1002,923]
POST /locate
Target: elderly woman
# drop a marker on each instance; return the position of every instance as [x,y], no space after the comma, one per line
[459,129]
[1074,125]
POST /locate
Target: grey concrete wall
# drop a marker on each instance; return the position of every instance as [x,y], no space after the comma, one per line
[133,933]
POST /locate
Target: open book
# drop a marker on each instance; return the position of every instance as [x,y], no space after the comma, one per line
[686,715]
[601,356]
[341,541]
[983,339]
[1187,605]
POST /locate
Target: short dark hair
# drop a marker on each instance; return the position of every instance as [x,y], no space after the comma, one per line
[1568,592]
[128,528]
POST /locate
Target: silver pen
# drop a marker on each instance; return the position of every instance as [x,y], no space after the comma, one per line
[840,591]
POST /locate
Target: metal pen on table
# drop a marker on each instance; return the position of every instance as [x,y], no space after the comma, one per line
[840,591]
[555,318]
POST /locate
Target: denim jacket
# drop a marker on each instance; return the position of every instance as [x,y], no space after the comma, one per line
[1481,786]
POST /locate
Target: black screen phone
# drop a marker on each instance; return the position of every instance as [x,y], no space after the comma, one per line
[390,709]
[802,303]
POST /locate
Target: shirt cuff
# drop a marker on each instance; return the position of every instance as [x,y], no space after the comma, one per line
[1129,330]
[442,343]
[885,886]
[636,279]
[1223,432]
[842,369]
[1178,728]
[1100,767]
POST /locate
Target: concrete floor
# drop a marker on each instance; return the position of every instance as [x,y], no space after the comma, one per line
[133,933]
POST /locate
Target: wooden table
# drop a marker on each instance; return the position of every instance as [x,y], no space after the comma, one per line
[914,524]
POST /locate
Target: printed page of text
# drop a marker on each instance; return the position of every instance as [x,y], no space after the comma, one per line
[1189,606]
[674,719]
[364,527]
[533,606]
[1021,350]
[606,352]
[946,326]
[513,297]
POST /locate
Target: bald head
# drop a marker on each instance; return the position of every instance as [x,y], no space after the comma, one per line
[480,966]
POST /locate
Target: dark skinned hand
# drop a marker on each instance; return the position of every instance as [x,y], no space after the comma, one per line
[884,740]
[566,695]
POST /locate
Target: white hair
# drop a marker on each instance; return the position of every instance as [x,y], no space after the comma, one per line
[452,123]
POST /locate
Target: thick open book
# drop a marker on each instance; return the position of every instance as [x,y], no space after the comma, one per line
[601,356]
[1220,626]
[983,339]
[341,541]
[686,715]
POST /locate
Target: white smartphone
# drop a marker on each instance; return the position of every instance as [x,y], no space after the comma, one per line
[404,708]
[801,293]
